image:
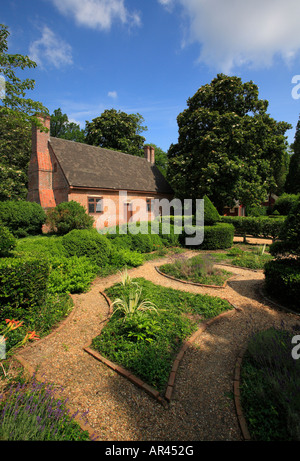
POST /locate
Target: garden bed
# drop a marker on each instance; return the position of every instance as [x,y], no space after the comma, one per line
[197,270]
[270,379]
[146,343]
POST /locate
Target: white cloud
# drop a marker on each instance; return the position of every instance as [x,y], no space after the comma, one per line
[97,14]
[112,94]
[50,49]
[236,32]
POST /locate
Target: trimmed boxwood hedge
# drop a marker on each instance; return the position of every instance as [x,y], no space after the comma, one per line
[23,285]
[256,226]
[282,280]
[22,218]
[89,243]
[217,237]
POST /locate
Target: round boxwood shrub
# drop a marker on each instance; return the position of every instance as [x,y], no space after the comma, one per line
[7,241]
[142,243]
[282,281]
[89,243]
[68,216]
[22,218]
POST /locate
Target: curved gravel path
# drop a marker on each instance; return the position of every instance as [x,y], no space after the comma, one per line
[202,407]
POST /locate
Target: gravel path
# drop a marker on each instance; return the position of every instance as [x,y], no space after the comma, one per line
[201,409]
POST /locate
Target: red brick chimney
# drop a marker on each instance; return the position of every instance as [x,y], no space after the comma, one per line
[40,167]
[149,154]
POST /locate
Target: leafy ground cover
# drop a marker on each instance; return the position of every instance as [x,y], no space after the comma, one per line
[250,257]
[198,269]
[146,341]
[270,383]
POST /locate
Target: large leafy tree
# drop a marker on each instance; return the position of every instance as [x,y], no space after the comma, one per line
[228,147]
[292,185]
[117,130]
[17,112]
[61,127]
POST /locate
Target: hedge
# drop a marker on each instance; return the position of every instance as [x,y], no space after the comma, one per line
[23,285]
[7,241]
[22,218]
[256,226]
[217,237]
[282,281]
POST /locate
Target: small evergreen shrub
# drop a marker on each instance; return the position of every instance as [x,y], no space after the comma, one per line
[89,243]
[282,281]
[284,204]
[22,218]
[142,243]
[23,285]
[217,237]
[7,241]
[120,257]
[211,215]
[68,216]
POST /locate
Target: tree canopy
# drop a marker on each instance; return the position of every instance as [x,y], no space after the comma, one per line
[118,131]
[61,127]
[228,147]
[17,112]
[292,185]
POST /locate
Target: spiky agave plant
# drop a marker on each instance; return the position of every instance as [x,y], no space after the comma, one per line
[132,304]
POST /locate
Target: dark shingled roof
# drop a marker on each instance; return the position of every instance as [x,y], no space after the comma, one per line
[95,167]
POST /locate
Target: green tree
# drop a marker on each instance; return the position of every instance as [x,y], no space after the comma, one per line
[228,147]
[15,151]
[118,131]
[292,185]
[60,127]
[17,112]
[13,94]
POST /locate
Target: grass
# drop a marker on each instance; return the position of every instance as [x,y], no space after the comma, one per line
[198,269]
[146,343]
[270,384]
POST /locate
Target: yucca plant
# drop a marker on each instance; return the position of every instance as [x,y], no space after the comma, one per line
[126,280]
[132,304]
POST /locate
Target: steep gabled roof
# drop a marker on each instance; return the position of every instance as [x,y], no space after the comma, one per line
[95,167]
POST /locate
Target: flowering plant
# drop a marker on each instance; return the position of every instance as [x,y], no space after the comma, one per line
[4,331]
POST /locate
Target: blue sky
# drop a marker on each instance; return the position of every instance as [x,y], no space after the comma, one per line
[150,56]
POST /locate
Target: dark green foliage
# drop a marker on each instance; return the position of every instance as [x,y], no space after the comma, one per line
[270,381]
[256,226]
[23,286]
[7,241]
[217,237]
[89,243]
[282,281]
[284,204]
[22,218]
[142,243]
[211,215]
[68,216]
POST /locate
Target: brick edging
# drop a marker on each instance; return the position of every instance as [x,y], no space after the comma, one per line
[171,381]
[237,396]
[220,287]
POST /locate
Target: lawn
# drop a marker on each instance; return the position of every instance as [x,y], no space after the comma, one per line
[146,341]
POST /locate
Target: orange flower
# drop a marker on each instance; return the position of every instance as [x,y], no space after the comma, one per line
[13,324]
[32,335]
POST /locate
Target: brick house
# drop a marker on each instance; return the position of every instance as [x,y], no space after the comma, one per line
[61,170]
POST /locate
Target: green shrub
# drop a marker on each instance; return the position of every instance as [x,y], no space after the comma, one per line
[142,243]
[282,281]
[120,257]
[284,204]
[256,211]
[71,275]
[256,226]
[217,237]
[89,243]
[68,216]
[23,285]
[211,215]
[7,241]
[22,218]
